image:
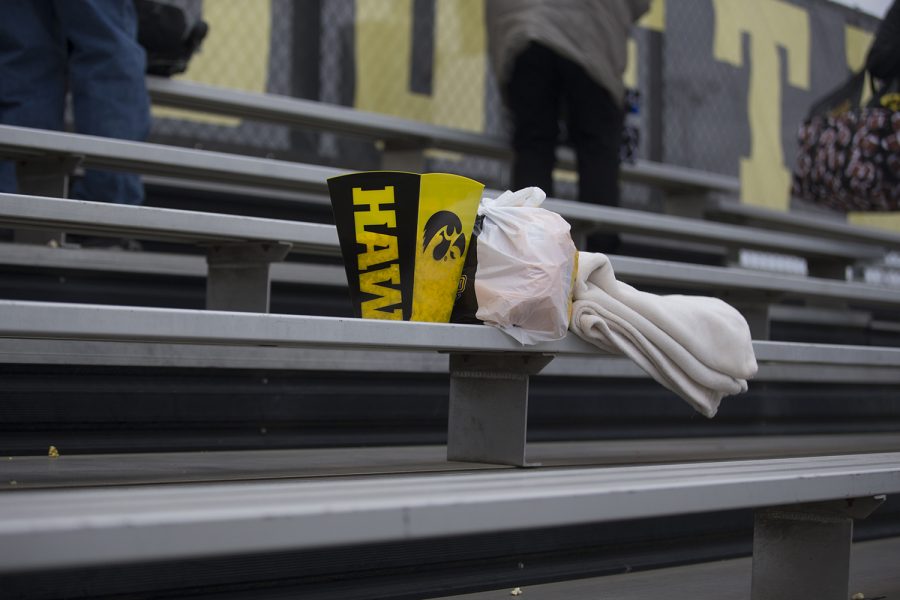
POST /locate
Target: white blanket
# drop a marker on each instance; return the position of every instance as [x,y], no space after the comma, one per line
[696,346]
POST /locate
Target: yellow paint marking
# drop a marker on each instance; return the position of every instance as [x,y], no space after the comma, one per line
[771,24]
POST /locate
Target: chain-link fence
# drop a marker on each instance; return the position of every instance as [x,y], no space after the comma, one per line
[723,83]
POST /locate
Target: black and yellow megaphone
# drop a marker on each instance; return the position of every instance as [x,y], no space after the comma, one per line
[404,239]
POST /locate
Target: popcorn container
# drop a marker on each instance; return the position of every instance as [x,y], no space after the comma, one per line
[404,239]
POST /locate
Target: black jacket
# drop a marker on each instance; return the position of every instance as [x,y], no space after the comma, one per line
[883,60]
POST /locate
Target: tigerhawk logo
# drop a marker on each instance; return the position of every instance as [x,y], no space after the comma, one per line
[443,235]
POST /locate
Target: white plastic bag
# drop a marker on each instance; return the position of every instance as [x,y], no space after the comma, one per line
[526,267]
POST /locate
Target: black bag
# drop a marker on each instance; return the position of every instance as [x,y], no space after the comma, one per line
[846,96]
[848,156]
[169,36]
[466,304]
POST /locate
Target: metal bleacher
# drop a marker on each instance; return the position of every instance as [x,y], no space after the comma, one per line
[403,518]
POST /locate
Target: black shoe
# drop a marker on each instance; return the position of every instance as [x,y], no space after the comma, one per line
[605,243]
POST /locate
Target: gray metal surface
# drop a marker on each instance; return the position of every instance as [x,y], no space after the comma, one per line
[164,224]
[157,159]
[78,352]
[738,283]
[92,352]
[154,263]
[488,408]
[101,322]
[634,221]
[835,226]
[825,354]
[66,528]
[741,282]
[803,551]
[52,320]
[238,277]
[80,470]
[297,196]
[92,470]
[680,179]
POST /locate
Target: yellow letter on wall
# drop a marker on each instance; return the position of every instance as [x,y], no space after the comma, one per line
[383,58]
[765,180]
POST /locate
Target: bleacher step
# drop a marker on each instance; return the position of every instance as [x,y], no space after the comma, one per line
[873,572]
[130,524]
[36,472]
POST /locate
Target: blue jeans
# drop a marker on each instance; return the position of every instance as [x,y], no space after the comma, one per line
[90,48]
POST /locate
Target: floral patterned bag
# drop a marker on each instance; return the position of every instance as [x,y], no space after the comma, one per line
[848,156]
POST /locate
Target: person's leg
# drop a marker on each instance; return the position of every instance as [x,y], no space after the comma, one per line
[32,72]
[109,96]
[533,97]
[595,121]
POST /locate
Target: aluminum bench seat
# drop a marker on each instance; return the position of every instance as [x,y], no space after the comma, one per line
[832,226]
[43,148]
[778,361]
[804,513]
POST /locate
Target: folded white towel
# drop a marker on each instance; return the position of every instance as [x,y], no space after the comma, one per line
[698,347]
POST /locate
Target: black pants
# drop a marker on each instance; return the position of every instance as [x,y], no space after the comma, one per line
[545,87]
